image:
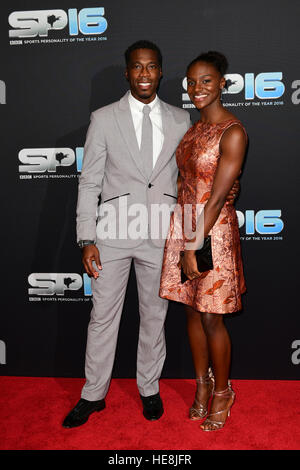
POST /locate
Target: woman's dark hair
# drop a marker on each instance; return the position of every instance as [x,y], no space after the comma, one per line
[215,58]
[143,44]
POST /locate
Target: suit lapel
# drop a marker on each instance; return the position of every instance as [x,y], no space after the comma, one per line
[125,123]
[166,151]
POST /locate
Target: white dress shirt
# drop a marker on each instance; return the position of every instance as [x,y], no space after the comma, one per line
[136,108]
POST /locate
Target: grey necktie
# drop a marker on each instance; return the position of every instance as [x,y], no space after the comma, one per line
[146,149]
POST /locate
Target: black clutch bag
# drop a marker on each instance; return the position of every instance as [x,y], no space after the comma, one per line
[204,259]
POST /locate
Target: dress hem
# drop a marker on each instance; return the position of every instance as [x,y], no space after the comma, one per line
[192,304]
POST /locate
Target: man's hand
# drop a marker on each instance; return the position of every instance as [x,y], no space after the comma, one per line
[91,253]
[233,192]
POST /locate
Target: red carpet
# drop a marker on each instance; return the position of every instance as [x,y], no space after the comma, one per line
[265,416]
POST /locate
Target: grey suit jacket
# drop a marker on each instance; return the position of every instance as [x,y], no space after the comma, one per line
[112,167]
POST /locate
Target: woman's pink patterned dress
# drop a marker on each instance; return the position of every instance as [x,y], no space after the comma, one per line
[218,290]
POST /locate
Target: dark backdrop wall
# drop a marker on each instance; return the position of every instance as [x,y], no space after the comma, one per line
[60,62]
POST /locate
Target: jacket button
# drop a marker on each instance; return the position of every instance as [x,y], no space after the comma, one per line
[150,185]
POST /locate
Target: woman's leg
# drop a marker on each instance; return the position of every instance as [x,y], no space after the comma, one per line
[198,341]
[199,349]
[219,347]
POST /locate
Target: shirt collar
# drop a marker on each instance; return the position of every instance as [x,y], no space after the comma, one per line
[138,105]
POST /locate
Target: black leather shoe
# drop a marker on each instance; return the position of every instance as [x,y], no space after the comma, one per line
[153,407]
[81,412]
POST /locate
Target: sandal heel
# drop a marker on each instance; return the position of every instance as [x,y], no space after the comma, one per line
[199,410]
[212,423]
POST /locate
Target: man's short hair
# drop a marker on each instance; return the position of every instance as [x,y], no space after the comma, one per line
[143,44]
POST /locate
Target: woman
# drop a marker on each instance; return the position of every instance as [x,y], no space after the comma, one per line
[209,157]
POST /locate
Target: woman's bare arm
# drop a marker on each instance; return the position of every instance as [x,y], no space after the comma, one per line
[232,150]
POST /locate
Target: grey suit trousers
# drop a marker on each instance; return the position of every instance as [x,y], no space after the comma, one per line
[108,299]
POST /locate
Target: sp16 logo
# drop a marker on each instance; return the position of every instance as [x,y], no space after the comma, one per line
[2,352]
[264,86]
[2,92]
[264,222]
[46,284]
[48,159]
[29,24]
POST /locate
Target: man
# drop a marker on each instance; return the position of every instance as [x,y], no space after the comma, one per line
[128,160]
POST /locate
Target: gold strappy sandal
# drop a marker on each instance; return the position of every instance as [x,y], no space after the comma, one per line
[213,424]
[199,410]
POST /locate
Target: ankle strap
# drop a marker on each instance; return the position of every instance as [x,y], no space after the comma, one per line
[207,378]
[224,392]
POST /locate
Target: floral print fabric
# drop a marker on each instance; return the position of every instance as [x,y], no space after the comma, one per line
[218,290]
